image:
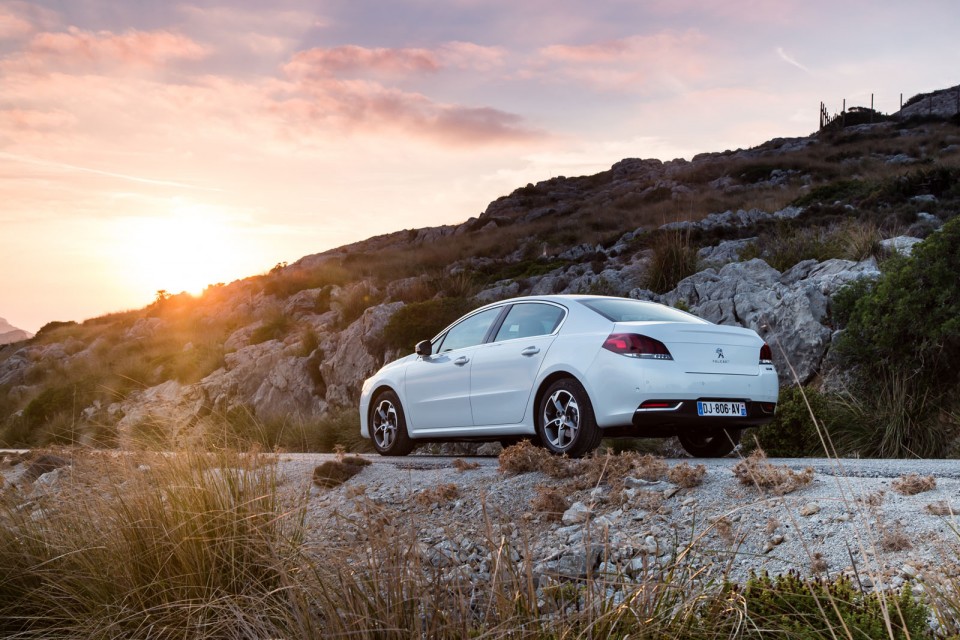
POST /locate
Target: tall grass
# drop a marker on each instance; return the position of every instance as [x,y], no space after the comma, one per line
[191,546]
[218,546]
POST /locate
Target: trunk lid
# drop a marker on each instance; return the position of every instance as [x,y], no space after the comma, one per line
[705,348]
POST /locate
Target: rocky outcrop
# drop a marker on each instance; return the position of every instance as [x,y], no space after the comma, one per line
[790,310]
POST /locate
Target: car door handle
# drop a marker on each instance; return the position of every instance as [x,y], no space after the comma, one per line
[530,351]
[462,360]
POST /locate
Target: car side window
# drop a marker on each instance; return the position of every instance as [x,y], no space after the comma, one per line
[528,320]
[469,332]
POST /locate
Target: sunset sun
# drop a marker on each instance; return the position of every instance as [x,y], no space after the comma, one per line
[185,251]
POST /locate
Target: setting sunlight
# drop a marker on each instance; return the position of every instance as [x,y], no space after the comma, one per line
[187,250]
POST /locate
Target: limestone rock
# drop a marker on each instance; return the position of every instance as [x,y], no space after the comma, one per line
[790,310]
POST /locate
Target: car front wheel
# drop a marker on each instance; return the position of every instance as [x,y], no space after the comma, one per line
[710,445]
[388,426]
[565,419]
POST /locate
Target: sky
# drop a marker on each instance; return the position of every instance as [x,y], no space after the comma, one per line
[150,145]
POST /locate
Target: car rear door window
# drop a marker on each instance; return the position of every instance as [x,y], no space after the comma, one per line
[527,320]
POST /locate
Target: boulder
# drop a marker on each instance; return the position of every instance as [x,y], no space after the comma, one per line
[355,354]
[791,311]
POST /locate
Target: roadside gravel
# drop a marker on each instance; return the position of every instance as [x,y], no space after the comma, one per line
[849,519]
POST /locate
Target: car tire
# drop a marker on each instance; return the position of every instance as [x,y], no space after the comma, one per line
[388,426]
[565,420]
[710,445]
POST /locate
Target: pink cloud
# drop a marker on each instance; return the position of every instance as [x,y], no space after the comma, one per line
[13,26]
[35,120]
[332,88]
[78,48]
[361,106]
[467,55]
[351,58]
[638,62]
[597,52]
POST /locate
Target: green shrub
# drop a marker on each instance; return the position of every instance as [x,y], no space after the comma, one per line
[909,319]
[836,190]
[902,335]
[792,432]
[811,608]
[422,321]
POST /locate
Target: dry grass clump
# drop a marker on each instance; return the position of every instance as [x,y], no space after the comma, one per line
[873,499]
[724,529]
[686,476]
[940,508]
[894,538]
[606,468]
[773,523]
[647,500]
[550,501]
[462,465]
[818,564]
[335,472]
[526,457]
[754,470]
[439,494]
[912,484]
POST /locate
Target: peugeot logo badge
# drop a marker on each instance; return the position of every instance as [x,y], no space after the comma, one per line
[719,353]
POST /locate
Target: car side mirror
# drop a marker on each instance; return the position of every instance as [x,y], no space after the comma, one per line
[424,348]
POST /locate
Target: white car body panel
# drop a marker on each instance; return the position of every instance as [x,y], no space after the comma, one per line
[494,393]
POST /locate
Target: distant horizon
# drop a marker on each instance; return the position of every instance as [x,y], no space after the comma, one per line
[171,146]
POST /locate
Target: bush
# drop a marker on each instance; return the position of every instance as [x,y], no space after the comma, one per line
[790,606]
[422,321]
[274,327]
[882,330]
[674,258]
[903,334]
[792,433]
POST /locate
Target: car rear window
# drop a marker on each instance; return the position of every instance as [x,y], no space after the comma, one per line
[625,310]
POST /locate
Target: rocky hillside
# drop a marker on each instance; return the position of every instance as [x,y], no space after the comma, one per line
[762,237]
[10,334]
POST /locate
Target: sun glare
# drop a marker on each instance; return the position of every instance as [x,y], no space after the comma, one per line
[187,250]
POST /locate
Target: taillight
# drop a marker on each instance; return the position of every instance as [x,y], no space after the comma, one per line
[635,345]
[766,354]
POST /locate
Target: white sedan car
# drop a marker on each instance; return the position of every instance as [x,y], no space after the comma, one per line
[566,371]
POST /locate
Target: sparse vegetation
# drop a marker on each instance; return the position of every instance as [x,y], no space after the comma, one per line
[755,471]
[907,378]
[687,476]
[332,473]
[674,258]
[550,501]
[422,321]
[462,465]
[912,484]
[440,494]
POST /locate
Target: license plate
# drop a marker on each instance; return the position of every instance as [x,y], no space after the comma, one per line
[722,409]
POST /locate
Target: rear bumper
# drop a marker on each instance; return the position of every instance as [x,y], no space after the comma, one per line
[681,417]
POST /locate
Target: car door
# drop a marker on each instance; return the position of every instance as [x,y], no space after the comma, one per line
[437,387]
[504,371]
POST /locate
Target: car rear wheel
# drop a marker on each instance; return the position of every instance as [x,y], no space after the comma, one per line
[388,426]
[714,444]
[565,419]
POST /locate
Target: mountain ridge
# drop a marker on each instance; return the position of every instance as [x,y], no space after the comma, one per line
[10,334]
